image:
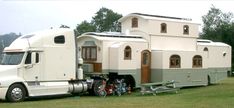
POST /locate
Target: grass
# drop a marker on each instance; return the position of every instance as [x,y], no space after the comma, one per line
[215,96]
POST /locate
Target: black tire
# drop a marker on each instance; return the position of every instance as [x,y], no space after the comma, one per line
[16,93]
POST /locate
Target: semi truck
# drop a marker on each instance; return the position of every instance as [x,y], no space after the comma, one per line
[42,63]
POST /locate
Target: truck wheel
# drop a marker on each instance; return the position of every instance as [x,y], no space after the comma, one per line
[16,93]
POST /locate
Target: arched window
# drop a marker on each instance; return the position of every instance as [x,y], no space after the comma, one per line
[175,61]
[163,28]
[186,29]
[197,61]
[127,53]
[205,49]
[134,22]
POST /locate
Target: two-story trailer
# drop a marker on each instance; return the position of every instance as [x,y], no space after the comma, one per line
[154,48]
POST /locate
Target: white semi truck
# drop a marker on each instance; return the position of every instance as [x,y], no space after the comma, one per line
[41,64]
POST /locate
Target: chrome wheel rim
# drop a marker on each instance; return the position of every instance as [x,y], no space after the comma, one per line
[17,94]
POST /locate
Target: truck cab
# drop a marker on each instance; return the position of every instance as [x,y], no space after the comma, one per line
[39,64]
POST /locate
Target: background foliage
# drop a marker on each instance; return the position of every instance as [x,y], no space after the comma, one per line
[105,20]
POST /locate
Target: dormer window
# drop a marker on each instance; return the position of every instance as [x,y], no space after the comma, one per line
[134,22]
[163,28]
[186,29]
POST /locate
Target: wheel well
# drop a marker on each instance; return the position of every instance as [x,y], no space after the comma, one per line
[27,94]
[128,79]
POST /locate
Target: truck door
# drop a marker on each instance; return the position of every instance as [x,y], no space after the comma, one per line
[32,67]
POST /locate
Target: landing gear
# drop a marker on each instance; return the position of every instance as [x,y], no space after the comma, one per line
[16,93]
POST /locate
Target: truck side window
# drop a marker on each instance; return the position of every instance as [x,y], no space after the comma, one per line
[28,58]
[59,39]
[37,57]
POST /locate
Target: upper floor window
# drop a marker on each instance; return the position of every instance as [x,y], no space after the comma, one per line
[89,51]
[134,22]
[127,53]
[59,39]
[163,28]
[197,61]
[175,61]
[186,29]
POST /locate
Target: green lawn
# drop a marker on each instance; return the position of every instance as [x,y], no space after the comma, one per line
[216,96]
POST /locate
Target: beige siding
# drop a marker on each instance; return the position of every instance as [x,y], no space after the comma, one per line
[186,59]
[215,56]
[173,43]
[173,29]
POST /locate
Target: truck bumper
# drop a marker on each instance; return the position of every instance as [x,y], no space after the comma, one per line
[3,92]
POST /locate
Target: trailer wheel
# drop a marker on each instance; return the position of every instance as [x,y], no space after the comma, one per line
[16,93]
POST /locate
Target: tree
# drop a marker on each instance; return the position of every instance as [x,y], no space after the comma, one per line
[215,23]
[104,20]
[84,27]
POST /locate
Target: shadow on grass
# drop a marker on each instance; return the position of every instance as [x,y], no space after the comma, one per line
[43,98]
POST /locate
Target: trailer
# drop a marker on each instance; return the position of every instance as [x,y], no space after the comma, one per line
[153,49]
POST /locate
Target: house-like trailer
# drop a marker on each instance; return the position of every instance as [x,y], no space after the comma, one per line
[155,48]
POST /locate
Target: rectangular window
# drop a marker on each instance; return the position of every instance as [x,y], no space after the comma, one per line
[89,53]
[59,39]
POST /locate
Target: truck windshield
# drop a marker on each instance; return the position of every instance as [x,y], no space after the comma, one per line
[12,58]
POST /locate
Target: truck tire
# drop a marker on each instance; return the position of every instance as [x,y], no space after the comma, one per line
[16,93]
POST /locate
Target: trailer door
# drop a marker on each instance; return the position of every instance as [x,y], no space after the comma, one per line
[145,66]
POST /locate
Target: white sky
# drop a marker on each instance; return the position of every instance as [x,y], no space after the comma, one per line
[27,16]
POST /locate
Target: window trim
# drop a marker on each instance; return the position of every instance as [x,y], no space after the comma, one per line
[127,50]
[134,22]
[174,58]
[186,30]
[197,59]
[163,28]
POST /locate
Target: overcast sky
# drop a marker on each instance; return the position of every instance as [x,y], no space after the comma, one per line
[25,16]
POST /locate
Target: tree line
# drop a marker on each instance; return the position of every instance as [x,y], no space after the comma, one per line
[6,40]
